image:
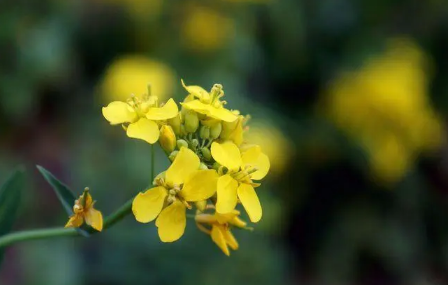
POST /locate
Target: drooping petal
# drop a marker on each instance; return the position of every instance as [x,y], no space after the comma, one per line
[218,238]
[200,185]
[208,110]
[249,199]
[167,111]
[185,163]
[172,222]
[227,154]
[147,206]
[94,218]
[196,91]
[227,217]
[230,239]
[227,194]
[254,157]
[144,129]
[75,221]
[119,112]
[222,114]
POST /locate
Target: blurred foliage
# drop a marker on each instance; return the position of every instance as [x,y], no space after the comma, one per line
[353,119]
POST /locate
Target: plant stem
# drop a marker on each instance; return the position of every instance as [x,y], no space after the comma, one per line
[119,214]
[35,234]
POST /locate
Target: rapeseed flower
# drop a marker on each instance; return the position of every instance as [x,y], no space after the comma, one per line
[221,225]
[84,211]
[182,183]
[142,115]
[236,181]
[209,104]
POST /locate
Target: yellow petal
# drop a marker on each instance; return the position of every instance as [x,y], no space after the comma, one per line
[250,202]
[196,91]
[227,196]
[147,206]
[230,239]
[185,163]
[227,154]
[219,239]
[168,111]
[227,217]
[119,112]
[94,218]
[144,129]
[200,185]
[172,222]
[254,157]
[208,110]
[75,221]
[222,114]
[88,200]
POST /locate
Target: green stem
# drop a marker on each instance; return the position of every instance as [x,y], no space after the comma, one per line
[119,214]
[35,234]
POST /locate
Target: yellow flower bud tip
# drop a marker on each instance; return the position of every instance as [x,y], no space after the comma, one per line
[167,138]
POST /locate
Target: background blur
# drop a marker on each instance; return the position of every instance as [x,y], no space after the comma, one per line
[348,98]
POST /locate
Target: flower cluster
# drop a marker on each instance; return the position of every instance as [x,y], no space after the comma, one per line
[213,168]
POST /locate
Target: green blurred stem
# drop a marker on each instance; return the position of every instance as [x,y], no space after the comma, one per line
[35,234]
[119,214]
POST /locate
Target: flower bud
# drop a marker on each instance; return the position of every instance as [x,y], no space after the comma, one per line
[175,124]
[204,132]
[181,143]
[215,131]
[173,155]
[195,143]
[191,121]
[201,205]
[206,153]
[167,138]
[202,166]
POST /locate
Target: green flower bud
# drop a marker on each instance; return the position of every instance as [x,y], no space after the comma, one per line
[202,166]
[204,132]
[206,153]
[167,138]
[173,155]
[215,131]
[191,121]
[195,143]
[181,143]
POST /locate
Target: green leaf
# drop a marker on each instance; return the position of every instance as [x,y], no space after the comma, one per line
[65,195]
[9,202]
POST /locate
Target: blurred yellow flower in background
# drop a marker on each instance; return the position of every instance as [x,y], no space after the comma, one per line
[205,29]
[131,75]
[273,143]
[384,107]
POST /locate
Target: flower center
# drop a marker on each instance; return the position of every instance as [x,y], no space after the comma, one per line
[142,104]
[244,174]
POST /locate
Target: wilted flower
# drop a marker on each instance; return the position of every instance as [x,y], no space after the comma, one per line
[83,211]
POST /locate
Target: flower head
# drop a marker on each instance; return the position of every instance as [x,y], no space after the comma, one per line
[182,183]
[83,211]
[221,225]
[208,104]
[237,179]
[142,115]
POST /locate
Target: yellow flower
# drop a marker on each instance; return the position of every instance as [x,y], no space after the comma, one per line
[167,138]
[131,74]
[385,108]
[142,115]
[208,104]
[273,143]
[237,182]
[205,29]
[233,131]
[220,228]
[183,183]
[85,212]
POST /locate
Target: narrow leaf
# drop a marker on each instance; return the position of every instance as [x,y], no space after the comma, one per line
[9,202]
[65,195]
